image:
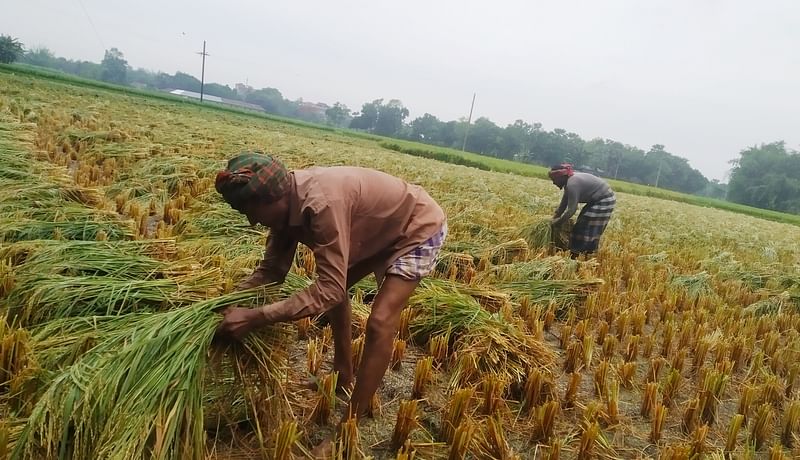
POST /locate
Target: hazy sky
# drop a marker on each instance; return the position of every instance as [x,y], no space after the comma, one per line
[706,78]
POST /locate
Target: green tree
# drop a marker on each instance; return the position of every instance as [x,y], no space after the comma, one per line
[390,118]
[767,176]
[427,128]
[215,89]
[115,67]
[10,49]
[368,117]
[338,115]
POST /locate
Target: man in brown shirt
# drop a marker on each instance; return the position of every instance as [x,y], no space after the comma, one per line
[356,221]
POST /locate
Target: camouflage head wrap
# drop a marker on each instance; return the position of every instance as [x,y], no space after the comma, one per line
[252,176]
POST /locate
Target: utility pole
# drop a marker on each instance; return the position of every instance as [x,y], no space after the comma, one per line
[469,121]
[658,174]
[203,71]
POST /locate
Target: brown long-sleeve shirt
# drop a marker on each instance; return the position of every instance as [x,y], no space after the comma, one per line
[347,216]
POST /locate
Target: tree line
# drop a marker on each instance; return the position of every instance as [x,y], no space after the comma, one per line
[766,176]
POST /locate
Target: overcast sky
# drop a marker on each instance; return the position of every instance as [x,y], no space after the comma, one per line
[706,78]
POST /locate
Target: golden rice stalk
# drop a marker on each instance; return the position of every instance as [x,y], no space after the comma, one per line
[423,375]
[632,349]
[649,345]
[669,335]
[626,374]
[588,350]
[438,348]
[346,446]
[491,442]
[493,387]
[649,399]
[398,352]
[554,453]
[609,347]
[375,406]
[538,389]
[672,385]
[776,452]
[327,339]
[313,356]
[406,316]
[791,378]
[676,453]
[15,352]
[659,417]
[691,415]
[600,379]
[462,438]
[713,388]
[678,360]
[589,438]
[563,339]
[304,326]
[746,398]
[407,420]
[358,350]
[456,413]
[571,394]
[733,432]
[761,426]
[790,422]
[698,444]
[654,370]
[612,402]
[287,437]
[602,332]
[700,352]
[544,421]
[407,452]
[326,399]
[549,318]
[622,325]
[573,359]
[771,391]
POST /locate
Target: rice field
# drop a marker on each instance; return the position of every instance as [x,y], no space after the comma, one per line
[680,340]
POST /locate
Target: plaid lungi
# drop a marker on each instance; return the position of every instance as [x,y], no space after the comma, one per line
[591,224]
[420,262]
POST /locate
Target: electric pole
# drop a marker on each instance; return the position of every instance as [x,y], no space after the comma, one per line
[469,121]
[203,71]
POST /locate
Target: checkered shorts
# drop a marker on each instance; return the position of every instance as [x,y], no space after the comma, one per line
[420,262]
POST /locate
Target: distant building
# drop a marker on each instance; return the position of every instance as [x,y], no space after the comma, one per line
[217,99]
[312,109]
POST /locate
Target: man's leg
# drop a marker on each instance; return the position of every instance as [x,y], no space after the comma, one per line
[381,328]
[340,319]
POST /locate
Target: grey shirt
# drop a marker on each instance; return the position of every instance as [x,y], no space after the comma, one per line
[580,188]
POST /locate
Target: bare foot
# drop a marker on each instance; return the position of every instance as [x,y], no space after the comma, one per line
[323,450]
[343,390]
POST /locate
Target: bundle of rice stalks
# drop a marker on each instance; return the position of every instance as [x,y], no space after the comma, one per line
[538,234]
[508,252]
[94,258]
[562,293]
[485,342]
[774,305]
[88,229]
[695,285]
[44,297]
[137,392]
[15,354]
[535,269]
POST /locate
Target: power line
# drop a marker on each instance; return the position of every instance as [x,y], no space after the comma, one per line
[88,18]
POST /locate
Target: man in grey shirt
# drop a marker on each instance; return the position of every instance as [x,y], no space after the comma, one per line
[600,201]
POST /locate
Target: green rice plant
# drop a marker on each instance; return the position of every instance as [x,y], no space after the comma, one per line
[45,297]
[495,344]
[138,390]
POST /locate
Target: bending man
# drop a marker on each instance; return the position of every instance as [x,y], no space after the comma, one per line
[356,221]
[600,201]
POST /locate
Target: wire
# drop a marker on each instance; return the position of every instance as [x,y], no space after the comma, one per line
[88,18]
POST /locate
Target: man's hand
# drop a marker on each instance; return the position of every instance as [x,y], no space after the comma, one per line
[258,278]
[553,221]
[238,322]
